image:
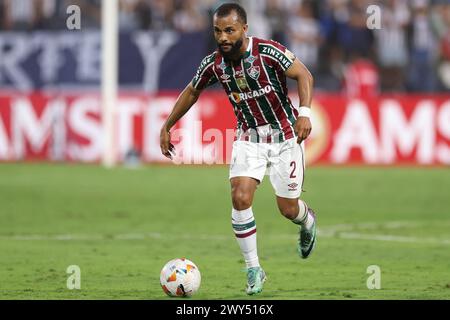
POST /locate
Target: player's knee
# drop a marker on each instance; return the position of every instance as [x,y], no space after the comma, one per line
[241,199]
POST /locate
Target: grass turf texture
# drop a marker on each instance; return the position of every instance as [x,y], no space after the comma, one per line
[121,226]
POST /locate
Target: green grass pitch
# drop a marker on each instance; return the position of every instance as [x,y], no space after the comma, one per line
[121,226]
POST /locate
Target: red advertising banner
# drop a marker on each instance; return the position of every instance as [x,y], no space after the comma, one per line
[398,129]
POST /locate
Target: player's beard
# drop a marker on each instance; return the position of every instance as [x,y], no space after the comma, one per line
[234,51]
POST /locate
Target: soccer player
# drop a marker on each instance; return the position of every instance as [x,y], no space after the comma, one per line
[270,130]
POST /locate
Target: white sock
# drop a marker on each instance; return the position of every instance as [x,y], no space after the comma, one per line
[244,227]
[304,218]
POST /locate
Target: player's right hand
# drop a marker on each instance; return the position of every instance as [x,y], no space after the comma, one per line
[167,148]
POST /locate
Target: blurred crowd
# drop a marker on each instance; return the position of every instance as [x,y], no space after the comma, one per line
[410,51]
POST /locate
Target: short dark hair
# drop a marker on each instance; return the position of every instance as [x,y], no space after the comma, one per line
[225,9]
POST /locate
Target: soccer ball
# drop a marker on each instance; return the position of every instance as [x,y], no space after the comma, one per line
[180,278]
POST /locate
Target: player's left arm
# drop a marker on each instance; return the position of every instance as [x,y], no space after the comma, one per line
[305,82]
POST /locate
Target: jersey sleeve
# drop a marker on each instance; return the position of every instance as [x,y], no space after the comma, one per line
[205,75]
[281,56]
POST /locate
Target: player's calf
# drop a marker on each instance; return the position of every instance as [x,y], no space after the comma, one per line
[289,208]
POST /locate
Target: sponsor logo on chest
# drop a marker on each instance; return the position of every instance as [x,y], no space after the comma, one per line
[238,97]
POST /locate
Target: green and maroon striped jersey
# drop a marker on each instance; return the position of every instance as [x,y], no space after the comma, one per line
[256,87]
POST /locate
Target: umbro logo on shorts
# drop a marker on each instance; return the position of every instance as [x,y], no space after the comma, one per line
[293,186]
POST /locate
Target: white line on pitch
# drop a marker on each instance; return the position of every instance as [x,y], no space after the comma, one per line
[340,231]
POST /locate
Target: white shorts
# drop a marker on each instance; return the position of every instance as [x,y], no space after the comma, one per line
[284,162]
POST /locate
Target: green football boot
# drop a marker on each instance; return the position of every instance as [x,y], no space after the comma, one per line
[255,280]
[307,238]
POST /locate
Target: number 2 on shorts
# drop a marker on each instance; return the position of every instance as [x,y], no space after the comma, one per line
[293,164]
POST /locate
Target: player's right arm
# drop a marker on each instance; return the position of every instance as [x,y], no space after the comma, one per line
[184,102]
[204,77]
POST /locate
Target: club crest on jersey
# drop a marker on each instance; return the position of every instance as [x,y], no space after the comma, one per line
[253,72]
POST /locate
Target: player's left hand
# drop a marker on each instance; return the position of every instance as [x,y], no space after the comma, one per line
[167,148]
[302,128]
